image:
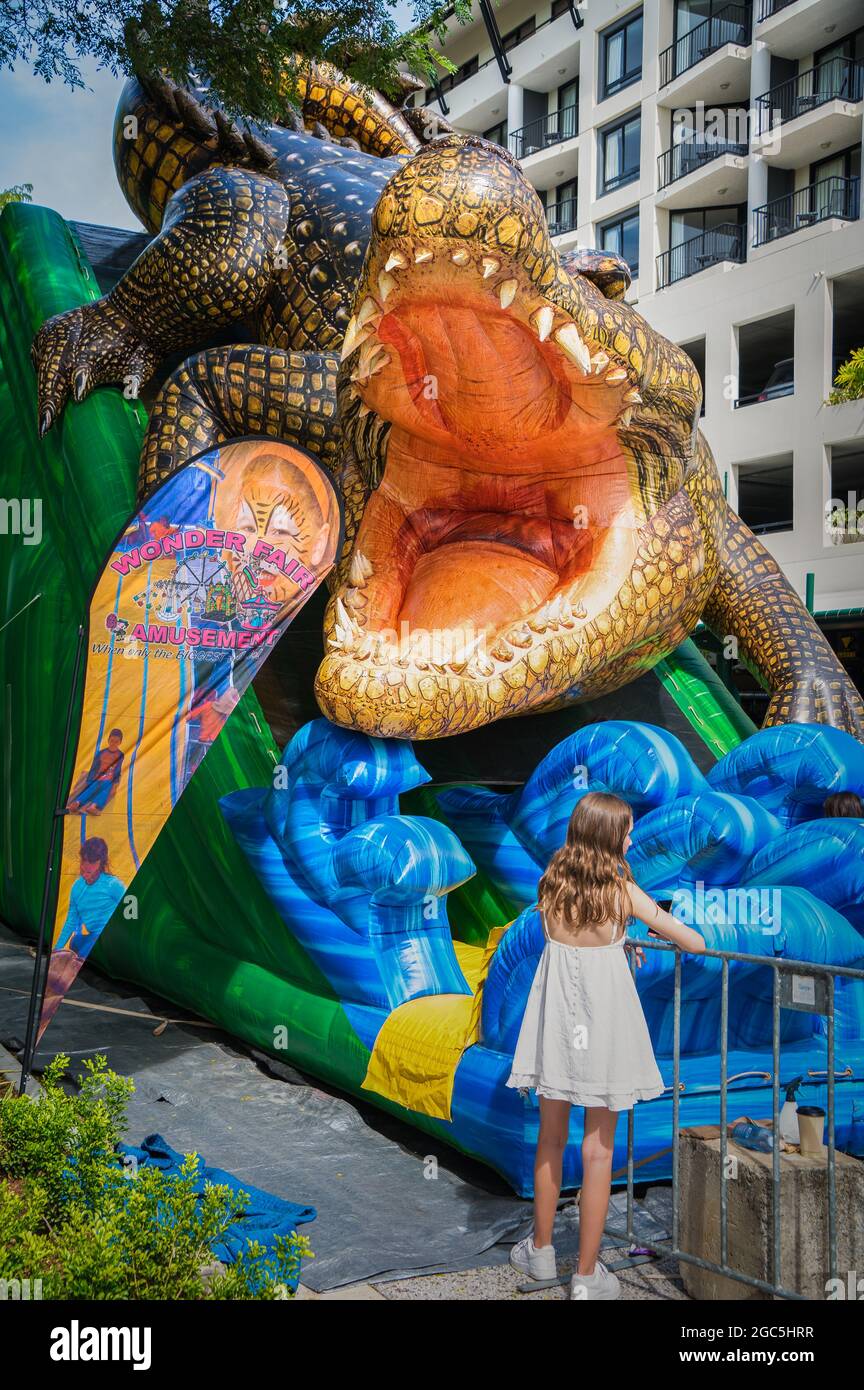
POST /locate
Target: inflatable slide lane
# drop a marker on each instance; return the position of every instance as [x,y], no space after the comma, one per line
[364,890]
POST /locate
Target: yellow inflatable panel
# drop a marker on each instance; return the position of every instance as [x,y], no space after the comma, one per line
[420,1044]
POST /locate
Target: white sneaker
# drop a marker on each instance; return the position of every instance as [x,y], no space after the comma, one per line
[537,1264]
[602,1284]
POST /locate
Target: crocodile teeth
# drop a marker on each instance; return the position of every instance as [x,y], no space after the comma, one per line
[368,310]
[507,292]
[354,336]
[421,256]
[379,361]
[372,358]
[569,340]
[395,261]
[616,376]
[460,257]
[364,410]
[553,610]
[360,568]
[599,361]
[625,417]
[502,651]
[490,266]
[480,665]
[537,622]
[386,283]
[543,321]
[520,637]
[633,398]
[343,617]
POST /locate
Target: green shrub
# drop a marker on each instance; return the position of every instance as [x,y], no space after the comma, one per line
[88,1228]
[849,381]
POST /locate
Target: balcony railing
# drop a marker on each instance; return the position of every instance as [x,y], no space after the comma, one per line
[730,24]
[838,79]
[562,217]
[682,159]
[834,197]
[769,7]
[548,130]
[724,243]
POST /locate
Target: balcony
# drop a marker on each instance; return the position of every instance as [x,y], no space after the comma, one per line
[767,8]
[561,217]
[818,202]
[549,130]
[795,27]
[817,109]
[728,242]
[690,155]
[731,24]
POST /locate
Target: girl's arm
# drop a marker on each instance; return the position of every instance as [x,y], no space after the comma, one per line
[646,910]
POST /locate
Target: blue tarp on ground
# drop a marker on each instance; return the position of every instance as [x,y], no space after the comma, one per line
[265,1217]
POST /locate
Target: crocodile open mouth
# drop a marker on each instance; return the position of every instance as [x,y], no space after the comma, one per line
[508,513]
[507,510]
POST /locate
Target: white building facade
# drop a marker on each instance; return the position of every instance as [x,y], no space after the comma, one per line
[717,147]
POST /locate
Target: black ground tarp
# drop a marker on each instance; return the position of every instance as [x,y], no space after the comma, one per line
[380,1216]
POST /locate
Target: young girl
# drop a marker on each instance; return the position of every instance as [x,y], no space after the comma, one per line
[584,1039]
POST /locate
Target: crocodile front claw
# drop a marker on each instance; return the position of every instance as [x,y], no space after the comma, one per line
[93,345]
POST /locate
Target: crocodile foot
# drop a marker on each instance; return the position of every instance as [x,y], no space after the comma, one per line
[86,347]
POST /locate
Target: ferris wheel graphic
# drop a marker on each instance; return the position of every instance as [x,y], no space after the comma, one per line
[193,580]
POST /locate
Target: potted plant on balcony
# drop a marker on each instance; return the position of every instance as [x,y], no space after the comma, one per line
[849,381]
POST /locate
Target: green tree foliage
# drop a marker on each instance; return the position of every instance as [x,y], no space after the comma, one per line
[18,193]
[237,48]
[74,1218]
[849,381]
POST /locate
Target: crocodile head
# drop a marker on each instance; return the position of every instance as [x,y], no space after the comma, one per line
[515,442]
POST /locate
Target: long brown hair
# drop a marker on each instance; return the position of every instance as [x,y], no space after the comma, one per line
[584,883]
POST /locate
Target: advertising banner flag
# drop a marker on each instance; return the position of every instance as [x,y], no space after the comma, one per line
[194,596]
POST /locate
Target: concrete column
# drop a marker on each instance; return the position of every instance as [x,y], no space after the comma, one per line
[515,104]
[757,173]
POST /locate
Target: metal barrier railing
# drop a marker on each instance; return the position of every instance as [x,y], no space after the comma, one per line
[827,974]
[546,131]
[836,79]
[728,24]
[831,197]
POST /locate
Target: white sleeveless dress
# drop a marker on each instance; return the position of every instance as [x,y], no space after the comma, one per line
[584,1038]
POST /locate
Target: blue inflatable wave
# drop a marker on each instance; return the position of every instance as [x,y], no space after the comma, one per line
[740,854]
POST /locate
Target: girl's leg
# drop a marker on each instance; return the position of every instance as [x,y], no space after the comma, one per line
[554,1123]
[598,1143]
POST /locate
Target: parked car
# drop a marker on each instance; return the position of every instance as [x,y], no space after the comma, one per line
[781,382]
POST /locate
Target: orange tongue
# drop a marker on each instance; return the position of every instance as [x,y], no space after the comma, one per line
[472,585]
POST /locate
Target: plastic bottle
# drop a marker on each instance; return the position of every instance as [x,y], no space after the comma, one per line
[789,1114]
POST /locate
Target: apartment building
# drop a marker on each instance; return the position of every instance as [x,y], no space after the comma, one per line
[717,148]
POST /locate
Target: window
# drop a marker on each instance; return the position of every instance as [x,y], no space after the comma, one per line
[568,110]
[449,80]
[619,153]
[766,359]
[844,510]
[620,236]
[621,55]
[497,134]
[687,226]
[562,212]
[765,495]
[560,7]
[696,352]
[519,34]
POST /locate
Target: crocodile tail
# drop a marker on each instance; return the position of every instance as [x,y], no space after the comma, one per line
[351,111]
[164,136]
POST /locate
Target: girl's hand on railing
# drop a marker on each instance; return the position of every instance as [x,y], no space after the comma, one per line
[639,954]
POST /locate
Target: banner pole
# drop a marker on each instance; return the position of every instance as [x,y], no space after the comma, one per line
[43,958]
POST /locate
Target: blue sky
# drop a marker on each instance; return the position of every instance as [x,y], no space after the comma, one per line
[59,139]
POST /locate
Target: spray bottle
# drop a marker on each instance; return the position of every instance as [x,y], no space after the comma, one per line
[789,1113]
